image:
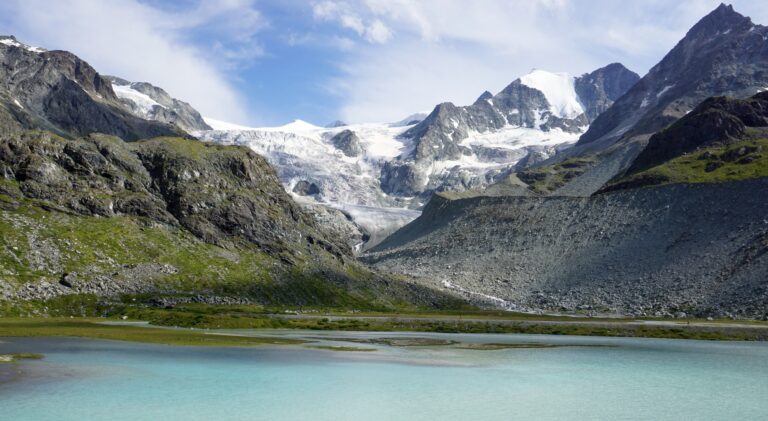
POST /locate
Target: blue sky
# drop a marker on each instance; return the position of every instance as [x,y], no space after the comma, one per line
[259,62]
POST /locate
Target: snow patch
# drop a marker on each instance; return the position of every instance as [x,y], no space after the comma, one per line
[12,43]
[560,91]
[664,90]
[500,302]
[143,101]
[223,125]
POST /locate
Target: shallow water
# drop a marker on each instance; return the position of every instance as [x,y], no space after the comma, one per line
[630,379]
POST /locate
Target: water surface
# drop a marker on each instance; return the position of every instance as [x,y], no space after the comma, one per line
[627,379]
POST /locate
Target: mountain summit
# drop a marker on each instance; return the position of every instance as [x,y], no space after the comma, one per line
[551,107]
[58,91]
[723,54]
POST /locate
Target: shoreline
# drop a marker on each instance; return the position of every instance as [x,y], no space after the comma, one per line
[166,327]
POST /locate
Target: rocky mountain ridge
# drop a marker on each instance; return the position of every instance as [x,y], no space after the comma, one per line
[152,103]
[374,171]
[57,91]
[689,236]
[543,101]
[724,54]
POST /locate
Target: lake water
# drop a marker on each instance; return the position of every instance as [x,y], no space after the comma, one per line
[631,379]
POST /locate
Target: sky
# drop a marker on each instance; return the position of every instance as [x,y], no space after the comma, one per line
[269,62]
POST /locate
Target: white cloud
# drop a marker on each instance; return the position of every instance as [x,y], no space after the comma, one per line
[133,40]
[452,50]
[371,29]
[378,32]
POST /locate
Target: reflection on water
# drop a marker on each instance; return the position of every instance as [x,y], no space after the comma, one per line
[408,376]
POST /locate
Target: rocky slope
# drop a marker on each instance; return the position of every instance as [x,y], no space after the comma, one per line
[723,54]
[176,219]
[698,249]
[57,91]
[546,106]
[149,102]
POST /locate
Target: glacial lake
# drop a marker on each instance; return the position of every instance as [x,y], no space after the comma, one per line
[575,378]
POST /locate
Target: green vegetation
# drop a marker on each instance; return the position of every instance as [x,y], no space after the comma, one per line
[198,319]
[735,162]
[90,328]
[41,245]
[550,178]
[9,358]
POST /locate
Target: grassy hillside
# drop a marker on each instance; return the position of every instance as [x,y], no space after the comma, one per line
[164,221]
[742,160]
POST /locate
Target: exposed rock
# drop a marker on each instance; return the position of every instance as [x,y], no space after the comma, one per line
[600,89]
[69,280]
[347,142]
[723,54]
[57,91]
[439,136]
[716,121]
[166,109]
[305,188]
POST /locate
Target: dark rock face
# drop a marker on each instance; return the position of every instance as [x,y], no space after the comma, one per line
[347,142]
[305,188]
[600,89]
[170,110]
[702,249]
[438,137]
[723,54]
[717,121]
[220,194]
[401,179]
[55,90]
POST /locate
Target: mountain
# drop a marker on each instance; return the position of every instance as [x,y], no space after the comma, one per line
[381,174]
[537,109]
[171,219]
[90,219]
[659,209]
[723,54]
[723,139]
[57,91]
[338,167]
[152,103]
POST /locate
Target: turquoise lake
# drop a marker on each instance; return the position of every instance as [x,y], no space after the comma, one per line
[626,379]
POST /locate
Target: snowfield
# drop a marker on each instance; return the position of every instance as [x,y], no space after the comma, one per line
[559,89]
[144,102]
[316,171]
[312,169]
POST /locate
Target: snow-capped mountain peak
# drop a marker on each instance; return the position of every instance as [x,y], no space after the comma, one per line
[364,168]
[296,126]
[12,42]
[559,89]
